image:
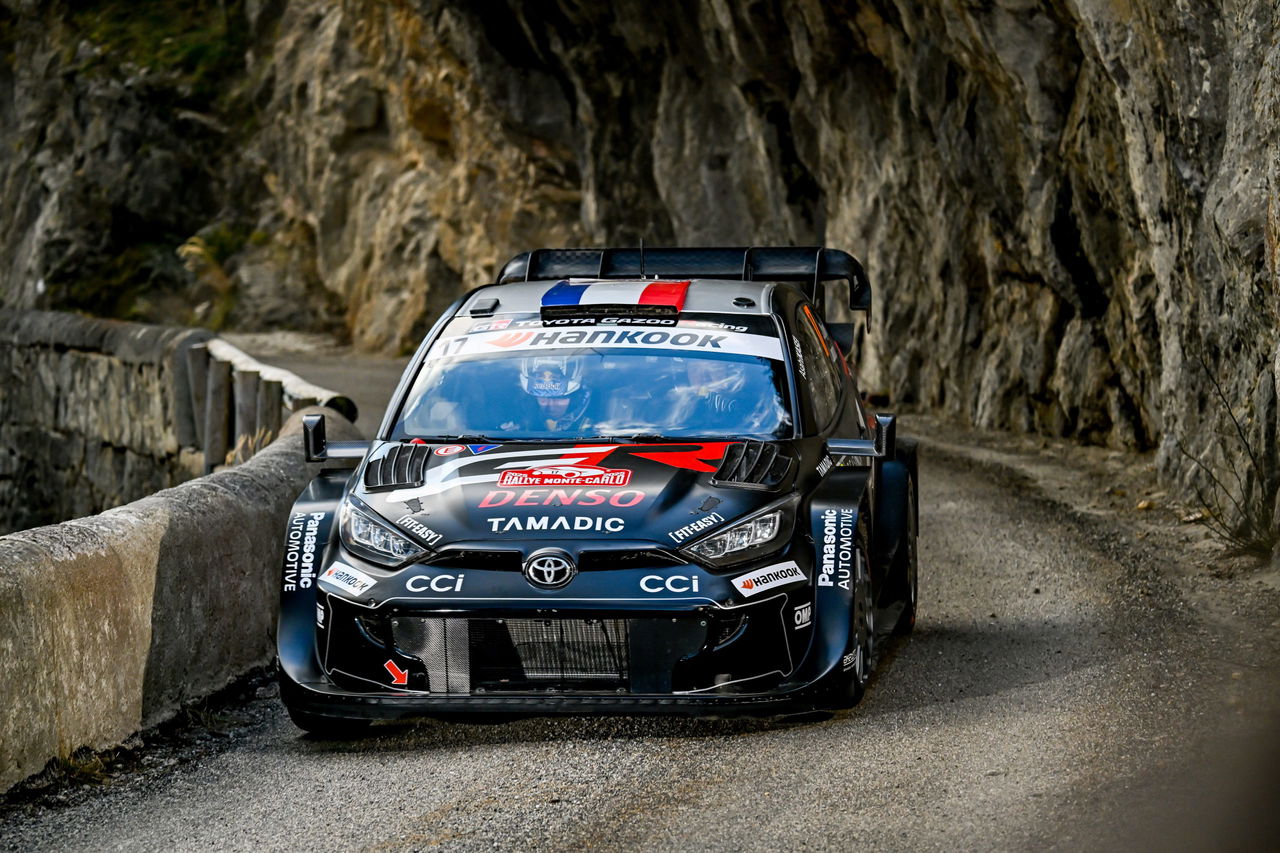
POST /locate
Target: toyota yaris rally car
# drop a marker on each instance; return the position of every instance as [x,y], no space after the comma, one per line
[615,481]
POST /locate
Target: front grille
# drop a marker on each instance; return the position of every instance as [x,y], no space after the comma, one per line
[619,558]
[476,558]
[494,655]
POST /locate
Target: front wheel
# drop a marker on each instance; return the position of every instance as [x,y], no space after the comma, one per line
[909,560]
[851,683]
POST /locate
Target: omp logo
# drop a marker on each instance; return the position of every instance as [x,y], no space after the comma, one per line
[511,339]
[767,578]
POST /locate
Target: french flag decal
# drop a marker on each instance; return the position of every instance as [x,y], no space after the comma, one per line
[666,293]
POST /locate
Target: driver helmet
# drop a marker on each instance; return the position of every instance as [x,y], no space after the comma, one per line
[551,376]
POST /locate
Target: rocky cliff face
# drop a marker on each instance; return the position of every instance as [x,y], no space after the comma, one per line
[1070,209]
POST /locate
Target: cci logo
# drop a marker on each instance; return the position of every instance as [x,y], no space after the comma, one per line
[435,583]
[549,568]
[671,583]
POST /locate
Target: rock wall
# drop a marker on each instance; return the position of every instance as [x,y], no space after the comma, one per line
[91,415]
[1068,208]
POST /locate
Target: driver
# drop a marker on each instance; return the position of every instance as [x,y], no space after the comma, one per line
[717,386]
[554,384]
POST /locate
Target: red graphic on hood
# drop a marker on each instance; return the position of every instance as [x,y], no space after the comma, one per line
[566,475]
[398,675]
[695,456]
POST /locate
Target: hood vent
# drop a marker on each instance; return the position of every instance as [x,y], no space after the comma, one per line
[403,466]
[753,465]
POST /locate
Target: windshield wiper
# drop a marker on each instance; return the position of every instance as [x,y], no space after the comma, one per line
[655,437]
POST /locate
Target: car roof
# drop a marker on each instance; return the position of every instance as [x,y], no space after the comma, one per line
[703,295]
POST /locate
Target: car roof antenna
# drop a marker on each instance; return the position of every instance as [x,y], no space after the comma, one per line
[642,257]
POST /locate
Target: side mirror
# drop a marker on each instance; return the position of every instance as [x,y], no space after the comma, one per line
[887,437]
[317,447]
[883,445]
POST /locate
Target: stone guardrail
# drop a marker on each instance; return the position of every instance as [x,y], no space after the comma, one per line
[109,623]
[95,413]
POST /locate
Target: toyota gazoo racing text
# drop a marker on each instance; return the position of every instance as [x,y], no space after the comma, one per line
[616,481]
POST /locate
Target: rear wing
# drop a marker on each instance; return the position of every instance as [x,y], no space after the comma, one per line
[807,265]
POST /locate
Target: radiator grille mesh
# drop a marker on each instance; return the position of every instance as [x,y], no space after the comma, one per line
[473,655]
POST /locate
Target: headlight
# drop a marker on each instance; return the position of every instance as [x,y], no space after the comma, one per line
[371,538]
[755,536]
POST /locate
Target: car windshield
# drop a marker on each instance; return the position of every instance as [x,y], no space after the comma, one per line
[511,378]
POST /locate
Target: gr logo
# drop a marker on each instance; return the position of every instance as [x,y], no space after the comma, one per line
[671,583]
[435,583]
[802,616]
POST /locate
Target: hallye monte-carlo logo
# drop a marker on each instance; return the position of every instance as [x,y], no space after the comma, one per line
[566,475]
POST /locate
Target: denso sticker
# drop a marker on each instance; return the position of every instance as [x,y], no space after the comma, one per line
[562,497]
[579,523]
[417,528]
[835,565]
[695,527]
[566,475]
[767,578]
[512,341]
[345,577]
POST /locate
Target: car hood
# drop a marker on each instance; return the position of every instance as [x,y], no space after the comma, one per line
[535,493]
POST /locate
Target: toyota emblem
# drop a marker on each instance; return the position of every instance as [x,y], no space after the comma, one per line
[549,569]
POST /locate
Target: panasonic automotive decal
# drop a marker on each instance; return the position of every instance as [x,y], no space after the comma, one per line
[835,564]
[737,343]
[300,550]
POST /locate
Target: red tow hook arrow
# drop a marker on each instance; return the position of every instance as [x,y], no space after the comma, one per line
[398,675]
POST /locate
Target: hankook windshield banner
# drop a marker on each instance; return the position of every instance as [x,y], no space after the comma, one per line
[701,340]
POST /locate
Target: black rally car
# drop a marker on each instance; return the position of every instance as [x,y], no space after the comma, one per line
[615,481]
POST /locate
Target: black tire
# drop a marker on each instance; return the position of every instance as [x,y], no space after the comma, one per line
[849,686]
[907,560]
[328,728]
[907,567]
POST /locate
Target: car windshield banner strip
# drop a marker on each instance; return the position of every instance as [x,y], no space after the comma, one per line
[700,341]
[667,293]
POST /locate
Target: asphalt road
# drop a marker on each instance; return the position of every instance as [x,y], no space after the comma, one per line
[1081,677]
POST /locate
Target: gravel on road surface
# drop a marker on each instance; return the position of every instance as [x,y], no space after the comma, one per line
[1083,676]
